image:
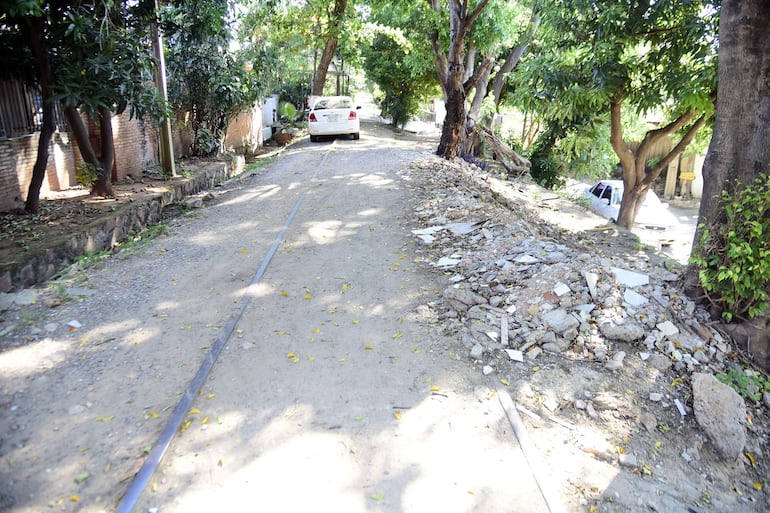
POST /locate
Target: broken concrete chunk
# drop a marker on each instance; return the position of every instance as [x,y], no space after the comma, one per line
[630,278]
[667,328]
[560,320]
[447,262]
[561,289]
[720,411]
[634,298]
[627,331]
[526,259]
[460,299]
[591,280]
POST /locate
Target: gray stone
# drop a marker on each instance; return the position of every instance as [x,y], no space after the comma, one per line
[560,320]
[628,330]
[627,460]
[720,411]
[616,362]
[656,397]
[552,347]
[477,351]
[460,299]
[649,421]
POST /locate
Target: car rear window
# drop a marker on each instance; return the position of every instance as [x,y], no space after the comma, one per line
[333,103]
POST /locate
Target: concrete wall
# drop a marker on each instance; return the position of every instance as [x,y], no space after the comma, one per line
[245,133]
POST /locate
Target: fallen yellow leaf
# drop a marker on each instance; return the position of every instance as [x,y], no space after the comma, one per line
[205,420]
[342,360]
[504,381]
[284,293]
[757,486]
[194,411]
[593,508]
[434,388]
[210,396]
[75,498]
[397,415]
[751,458]
[398,334]
[152,415]
[184,426]
[356,322]
[244,251]
[368,346]
[104,419]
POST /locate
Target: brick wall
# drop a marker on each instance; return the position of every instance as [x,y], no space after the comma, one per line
[136,149]
[17,159]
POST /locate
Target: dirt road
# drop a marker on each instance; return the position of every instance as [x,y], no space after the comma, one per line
[332,393]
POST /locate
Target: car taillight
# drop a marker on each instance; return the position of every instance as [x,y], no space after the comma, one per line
[352,115]
[312,117]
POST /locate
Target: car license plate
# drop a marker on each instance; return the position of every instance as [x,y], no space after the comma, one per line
[333,117]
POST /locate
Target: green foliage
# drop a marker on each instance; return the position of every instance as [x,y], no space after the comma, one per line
[86,174]
[102,57]
[206,79]
[733,255]
[749,384]
[387,64]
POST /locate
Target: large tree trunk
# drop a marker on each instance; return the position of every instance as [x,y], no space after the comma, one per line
[332,40]
[453,132]
[638,175]
[740,148]
[33,29]
[460,22]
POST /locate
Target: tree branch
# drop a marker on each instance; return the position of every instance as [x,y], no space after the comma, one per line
[686,139]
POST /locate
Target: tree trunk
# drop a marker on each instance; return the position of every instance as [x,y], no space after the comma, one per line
[319,80]
[103,185]
[332,40]
[460,22]
[453,131]
[80,133]
[514,57]
[740,148]
[34,33]
[638,176]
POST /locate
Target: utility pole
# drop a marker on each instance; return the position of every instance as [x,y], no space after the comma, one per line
[165,141]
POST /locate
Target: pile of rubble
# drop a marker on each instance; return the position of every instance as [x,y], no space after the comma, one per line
[526,292]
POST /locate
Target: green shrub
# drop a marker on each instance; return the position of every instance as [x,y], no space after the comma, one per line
[86,174]
[733,257]
[749,384]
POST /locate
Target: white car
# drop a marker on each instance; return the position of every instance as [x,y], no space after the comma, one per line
[333,115]
[605,198]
